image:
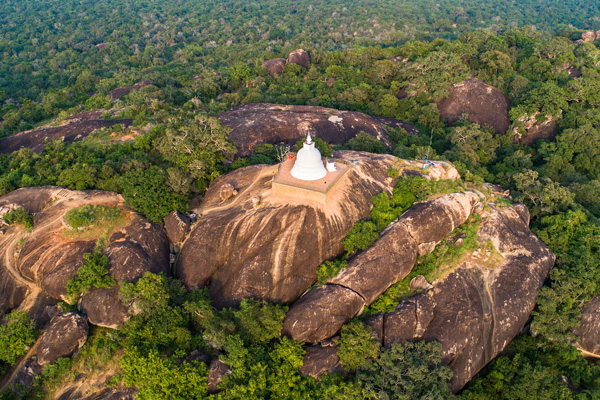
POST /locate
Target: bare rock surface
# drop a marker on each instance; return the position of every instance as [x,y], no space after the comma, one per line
[103,307]
[371,272]
[419,283]
[177,226]
[299,57]
[478,309]
[65,335]
[275,66]
[253,124]
[218,369]
[534,131]
[37,272]
[589,330]
[482,103]
[268,246]
[122,91]
[74,128]
[320,359]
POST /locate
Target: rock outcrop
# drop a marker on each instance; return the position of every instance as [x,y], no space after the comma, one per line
[299,57]
[533,130]
[253,124]
[321,312]
[65,335]
[275,66]
[122,91]
[320,359]
[217,370]
[74,128]
[177,226]
[589,329]
[477,308]
[480,102]
[51,254]
[266,246]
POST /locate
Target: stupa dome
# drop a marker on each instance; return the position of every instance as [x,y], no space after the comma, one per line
[308,165]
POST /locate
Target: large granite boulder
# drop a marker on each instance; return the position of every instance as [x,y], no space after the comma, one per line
[177,226]
[52,253]
[478,309]
[321,312]
[253,124]
[299,57]
[589,329]
[320,359]
[258,244]
[482,103]
[275,66]
[475,311]
[527,130]
[74,128]
[65,335]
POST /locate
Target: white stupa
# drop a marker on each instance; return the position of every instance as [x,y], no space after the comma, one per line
[308,165]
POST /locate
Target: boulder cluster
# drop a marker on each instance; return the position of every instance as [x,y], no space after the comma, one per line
[250,242]
[275,66]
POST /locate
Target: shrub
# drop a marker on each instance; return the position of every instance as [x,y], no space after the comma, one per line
[365,142]
[162,378]
[19,216]
[147,192]
[93,273]
[89,214]
[362,235]
[329,269]
[17,333]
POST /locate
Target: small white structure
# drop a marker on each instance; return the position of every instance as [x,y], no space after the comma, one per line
[309,165]
[331,166]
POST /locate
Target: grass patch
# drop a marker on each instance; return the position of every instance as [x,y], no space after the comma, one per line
[92,222]
[437,264]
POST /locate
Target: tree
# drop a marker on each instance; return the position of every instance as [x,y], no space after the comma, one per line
[198,146]
[356,345]
[407,372]
[146,190]
[17,334]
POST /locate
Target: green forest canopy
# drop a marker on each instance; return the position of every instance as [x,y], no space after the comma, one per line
[60,58]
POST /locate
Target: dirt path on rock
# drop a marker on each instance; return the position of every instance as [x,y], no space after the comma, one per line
[8,259]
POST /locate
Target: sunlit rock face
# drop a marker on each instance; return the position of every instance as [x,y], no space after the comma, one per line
[262,245]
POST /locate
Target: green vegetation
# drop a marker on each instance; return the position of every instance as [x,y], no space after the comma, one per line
[320,144]
[62,58]
[330,269]
[409,371]
[17,334]
[19,216]
[533,369]
[356,345]
[365,142]
[90,214]
[436,264]
[159,378]
[92,274]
